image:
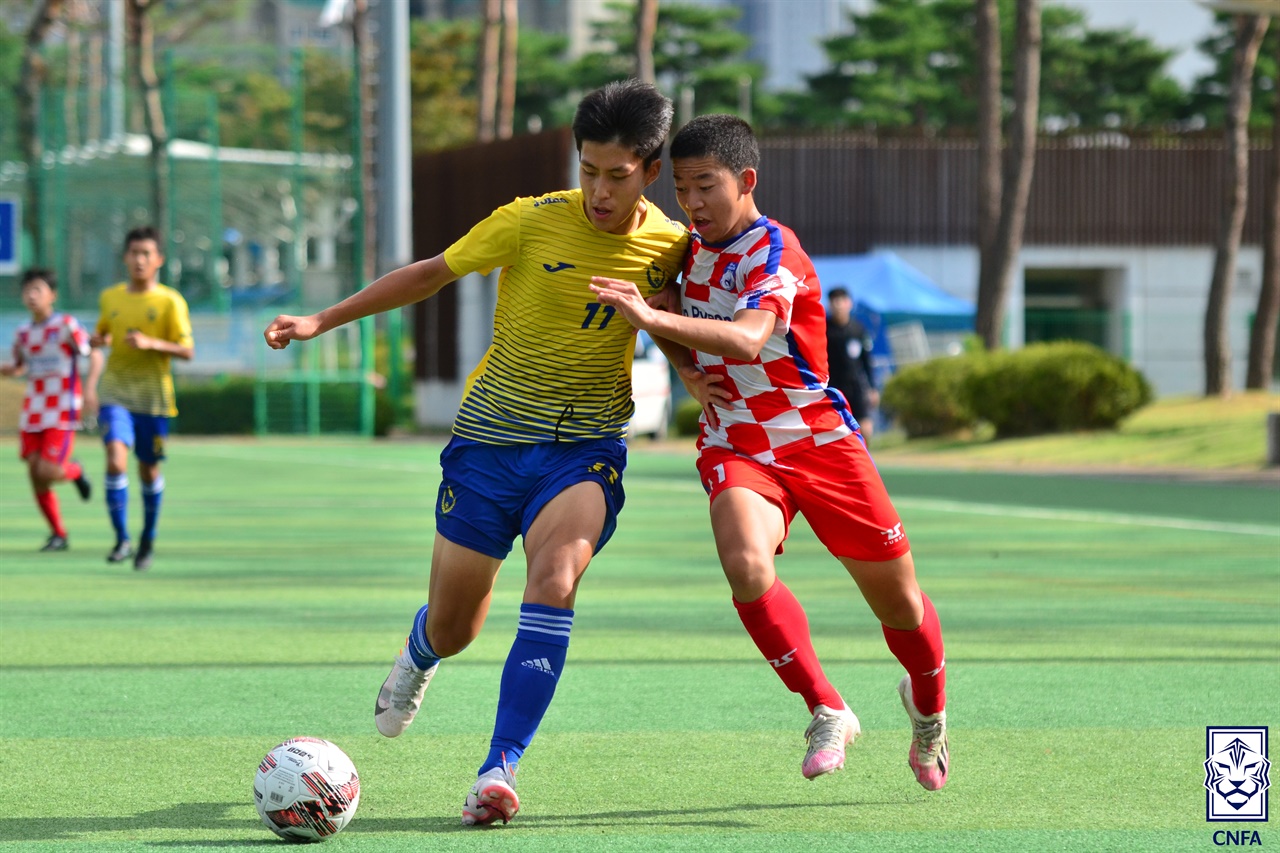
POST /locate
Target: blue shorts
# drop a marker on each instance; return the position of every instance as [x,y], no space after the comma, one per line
[146,434]
[490,493]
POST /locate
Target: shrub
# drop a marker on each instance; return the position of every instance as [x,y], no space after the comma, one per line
[687,413]
[225,406]
[215,407]
[1055,387]
[930,398]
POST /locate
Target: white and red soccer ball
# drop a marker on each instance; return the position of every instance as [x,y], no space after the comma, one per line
[306,789]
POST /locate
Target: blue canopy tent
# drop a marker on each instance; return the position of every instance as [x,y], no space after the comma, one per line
[887,291]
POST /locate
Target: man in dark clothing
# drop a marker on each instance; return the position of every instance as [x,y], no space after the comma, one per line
[849,358]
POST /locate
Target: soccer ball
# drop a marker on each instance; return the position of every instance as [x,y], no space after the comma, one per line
[306,789]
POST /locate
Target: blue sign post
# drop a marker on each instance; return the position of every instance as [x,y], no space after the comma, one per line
[10,234]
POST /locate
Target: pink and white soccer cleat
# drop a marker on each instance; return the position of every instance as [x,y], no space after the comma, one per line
[828,735]
[493,796]
[928,757]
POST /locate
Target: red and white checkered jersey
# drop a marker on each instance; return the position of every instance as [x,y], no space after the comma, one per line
[780,400]
[50,351]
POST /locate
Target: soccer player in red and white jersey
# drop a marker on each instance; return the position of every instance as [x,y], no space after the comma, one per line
[46,350]
[777,440]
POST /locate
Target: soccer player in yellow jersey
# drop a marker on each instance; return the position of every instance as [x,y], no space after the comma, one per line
[146,325]
[537,448]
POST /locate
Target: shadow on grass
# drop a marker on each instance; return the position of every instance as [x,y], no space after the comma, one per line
[213,817]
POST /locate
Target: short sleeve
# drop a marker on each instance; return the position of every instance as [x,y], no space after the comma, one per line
[493,242]
[180,323]
[77,337]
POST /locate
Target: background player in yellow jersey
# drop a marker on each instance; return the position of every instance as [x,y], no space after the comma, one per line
[537,448]
[146,324]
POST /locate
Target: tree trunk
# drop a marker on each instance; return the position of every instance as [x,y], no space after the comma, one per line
[1020,161]
[507,70]
[989,148]
[142,34]
[28,94]
[366,118]
[70,100]
[487,79]
[1217,341]
[1262,338]
[93,117]
[646,27]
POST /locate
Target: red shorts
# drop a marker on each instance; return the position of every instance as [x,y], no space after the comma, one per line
[52,444]
[836,487]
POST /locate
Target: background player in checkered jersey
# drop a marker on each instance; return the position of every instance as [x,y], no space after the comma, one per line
[47,350]
[537,448]
[777,440]
[147,325]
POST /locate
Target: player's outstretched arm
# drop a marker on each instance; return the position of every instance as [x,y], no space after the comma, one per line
[742,339]
[396,289]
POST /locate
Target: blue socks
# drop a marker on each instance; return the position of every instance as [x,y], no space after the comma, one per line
[116,487]
[151,495]
[420,651]
[528,681]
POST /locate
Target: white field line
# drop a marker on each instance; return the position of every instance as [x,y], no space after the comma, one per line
[927,504]
[1048,514]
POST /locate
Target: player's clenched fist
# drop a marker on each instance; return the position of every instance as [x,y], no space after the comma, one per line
[285,328]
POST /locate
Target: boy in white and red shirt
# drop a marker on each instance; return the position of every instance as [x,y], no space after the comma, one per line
[46,350]
[777,440]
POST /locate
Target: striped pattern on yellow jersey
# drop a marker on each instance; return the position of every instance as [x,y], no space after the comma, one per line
[559,367]
[140,380]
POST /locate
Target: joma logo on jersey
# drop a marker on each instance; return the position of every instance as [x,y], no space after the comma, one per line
[1236,773]
[560,265]
[607,471]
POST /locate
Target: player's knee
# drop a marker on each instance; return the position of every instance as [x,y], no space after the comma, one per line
[902,610]
[749,575]
[553,589]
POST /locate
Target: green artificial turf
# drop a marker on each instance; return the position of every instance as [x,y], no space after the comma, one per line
[1094,627]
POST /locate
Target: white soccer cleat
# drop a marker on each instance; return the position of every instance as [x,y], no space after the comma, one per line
[928,757]
[401,695]
[828,735]
[493,796]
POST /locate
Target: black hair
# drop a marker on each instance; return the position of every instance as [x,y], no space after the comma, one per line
[39,274]
[143,232]
[725,138]
[837,293]
[635,115]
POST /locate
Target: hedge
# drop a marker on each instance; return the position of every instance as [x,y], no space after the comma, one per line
[929,398]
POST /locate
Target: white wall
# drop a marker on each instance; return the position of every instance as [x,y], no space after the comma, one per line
[1163,292]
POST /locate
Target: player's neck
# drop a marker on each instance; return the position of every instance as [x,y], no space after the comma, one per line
[39,317]
[635,220]
[143,286]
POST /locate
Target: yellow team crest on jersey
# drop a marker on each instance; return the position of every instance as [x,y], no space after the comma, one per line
[656,276]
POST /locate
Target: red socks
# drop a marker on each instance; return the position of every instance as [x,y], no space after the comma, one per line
[48,502]
[920,651]
[72,470]
[780,629]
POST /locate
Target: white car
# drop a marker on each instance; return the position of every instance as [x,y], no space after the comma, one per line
[650,390]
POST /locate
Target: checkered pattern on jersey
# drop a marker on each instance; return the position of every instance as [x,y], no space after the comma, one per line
[50,350]
[780,400]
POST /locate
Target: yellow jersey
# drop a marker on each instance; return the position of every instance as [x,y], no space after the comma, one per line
[140,380]
[559,367]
